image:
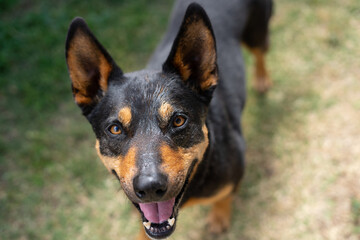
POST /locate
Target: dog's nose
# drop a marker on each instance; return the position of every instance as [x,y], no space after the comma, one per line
[150,187]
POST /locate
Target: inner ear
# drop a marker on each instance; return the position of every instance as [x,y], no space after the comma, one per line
[193,54]
[89,64]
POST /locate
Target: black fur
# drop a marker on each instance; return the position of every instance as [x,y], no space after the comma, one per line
[256,31]
[144,101]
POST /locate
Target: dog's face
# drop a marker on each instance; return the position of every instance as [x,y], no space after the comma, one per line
[150,126]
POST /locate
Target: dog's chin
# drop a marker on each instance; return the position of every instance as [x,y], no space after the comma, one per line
[159,218]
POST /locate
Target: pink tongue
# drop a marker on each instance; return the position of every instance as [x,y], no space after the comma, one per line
[157,212]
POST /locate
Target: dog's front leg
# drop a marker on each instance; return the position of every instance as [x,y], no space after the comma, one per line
[220,215]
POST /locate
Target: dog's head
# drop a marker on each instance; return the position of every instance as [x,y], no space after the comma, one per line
[149,125]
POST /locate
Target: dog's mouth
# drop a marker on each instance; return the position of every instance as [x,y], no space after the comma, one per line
[159,218]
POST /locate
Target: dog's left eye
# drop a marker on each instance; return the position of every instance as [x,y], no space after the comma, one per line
[179,121]
[114,129]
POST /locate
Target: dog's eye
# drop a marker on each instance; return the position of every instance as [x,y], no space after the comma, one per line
[115,129]
[179,121]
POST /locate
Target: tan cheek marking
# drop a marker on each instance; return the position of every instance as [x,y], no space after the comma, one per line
[109,162]
[200,149]
[128,167]
[221,194]
[166,111]
[177,162]
[173,162]
[125,116]
[81,80]
[125,166]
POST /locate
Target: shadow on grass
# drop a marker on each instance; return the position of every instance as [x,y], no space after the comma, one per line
[266,117]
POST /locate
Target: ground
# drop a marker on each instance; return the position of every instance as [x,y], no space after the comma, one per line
[303,137]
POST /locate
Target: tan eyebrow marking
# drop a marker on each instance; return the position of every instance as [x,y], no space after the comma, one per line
[165,111]
[125,116]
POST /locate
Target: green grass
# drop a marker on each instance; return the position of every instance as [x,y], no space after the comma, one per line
[302,137]
[355,208]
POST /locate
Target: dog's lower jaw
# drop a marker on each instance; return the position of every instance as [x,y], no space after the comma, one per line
[143,236]
[153,238]
[168,232]
[160,228]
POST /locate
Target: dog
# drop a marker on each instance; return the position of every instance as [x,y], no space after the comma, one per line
[171,133]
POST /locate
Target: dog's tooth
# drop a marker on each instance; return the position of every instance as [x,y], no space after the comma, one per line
[152,229]
[171,221]
[147,225]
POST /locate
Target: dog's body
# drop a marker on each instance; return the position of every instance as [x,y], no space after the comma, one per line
[165,132]
[229,20]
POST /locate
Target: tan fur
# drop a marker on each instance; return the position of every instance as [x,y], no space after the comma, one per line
[109,162]
[262,82]
[166,111]
[125,116]
[221,194]
[220,216]
[124,166]
[176,162]
[211,80]
[82,45]
[201,148]
[185,72]
[142,234]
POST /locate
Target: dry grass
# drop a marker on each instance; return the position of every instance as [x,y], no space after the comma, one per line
[315,171]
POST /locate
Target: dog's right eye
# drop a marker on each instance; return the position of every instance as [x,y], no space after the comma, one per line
[114,129]
[179,121]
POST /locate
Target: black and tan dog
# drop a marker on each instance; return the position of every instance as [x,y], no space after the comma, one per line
[165,132]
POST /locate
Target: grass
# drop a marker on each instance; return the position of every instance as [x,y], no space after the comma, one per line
[302,138]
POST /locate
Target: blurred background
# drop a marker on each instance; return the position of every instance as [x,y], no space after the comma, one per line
[303,137]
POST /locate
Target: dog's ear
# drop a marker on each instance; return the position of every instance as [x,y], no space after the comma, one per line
[89,64]
[193,54]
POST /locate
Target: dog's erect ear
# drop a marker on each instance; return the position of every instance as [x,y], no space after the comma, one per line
[193,54]
[90,66]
